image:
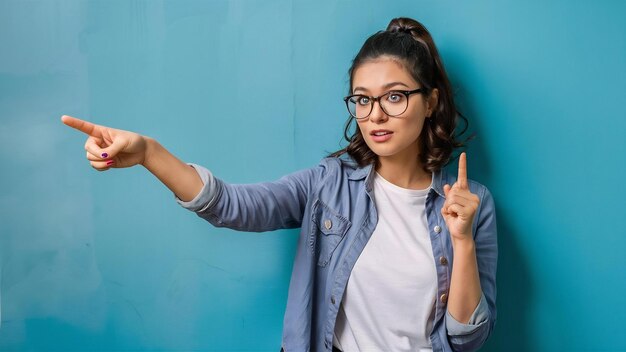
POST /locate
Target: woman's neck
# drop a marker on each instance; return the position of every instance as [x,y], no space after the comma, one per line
[404,172]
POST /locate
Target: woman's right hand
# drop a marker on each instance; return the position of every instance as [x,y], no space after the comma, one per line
[108,147]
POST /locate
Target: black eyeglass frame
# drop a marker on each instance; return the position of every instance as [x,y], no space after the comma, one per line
[406,93]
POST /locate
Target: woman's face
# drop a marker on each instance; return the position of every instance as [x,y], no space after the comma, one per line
[401,139]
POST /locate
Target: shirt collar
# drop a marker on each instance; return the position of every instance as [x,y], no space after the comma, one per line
[438,182]
[367,172]
[361,172]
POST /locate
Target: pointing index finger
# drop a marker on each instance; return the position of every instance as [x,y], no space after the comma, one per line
[81,125]
[462,179]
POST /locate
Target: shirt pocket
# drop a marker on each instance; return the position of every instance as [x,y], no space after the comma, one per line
[329,227]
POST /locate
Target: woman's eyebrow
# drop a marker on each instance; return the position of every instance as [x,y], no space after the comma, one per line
[386,86]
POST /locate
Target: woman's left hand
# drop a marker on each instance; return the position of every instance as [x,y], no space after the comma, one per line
[460,206]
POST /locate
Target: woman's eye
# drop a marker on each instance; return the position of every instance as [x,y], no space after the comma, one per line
[394,97]
[364,100]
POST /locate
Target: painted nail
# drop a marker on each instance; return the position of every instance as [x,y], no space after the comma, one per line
[104,155]
[110,162]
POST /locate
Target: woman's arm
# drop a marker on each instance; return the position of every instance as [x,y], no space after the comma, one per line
[458,212]
[179,177]
[470,315]
[257,207]
[249,207]
[472,334]
[465,292]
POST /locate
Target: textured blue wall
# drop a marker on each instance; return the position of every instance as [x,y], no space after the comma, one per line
[252,90]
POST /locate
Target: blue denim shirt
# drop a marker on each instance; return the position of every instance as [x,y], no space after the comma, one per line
[333,204]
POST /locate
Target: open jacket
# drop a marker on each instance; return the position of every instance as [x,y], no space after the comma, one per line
[333,204]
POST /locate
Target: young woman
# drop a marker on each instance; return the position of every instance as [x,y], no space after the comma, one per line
[394,253]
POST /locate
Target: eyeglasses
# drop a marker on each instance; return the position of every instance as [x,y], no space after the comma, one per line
[393,103]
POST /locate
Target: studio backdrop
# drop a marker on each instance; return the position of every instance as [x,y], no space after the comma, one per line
[253,90]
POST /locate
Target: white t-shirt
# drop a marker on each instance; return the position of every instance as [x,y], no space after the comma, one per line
[389,301]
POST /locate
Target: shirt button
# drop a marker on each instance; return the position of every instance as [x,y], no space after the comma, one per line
[332,299]
[437,228]
[328,224]
[443,260]
[444,298]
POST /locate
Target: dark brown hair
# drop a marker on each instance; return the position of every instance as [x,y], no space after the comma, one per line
[408,42]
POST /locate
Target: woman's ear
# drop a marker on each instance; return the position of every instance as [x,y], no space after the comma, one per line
[431,102]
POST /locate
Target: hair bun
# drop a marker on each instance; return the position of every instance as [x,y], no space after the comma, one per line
[406,30]
[400,29]
[405,25]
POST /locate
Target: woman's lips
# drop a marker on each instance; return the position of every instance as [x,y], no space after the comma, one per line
[381,135]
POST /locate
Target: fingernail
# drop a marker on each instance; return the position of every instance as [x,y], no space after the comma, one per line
[110,162]
[104,155]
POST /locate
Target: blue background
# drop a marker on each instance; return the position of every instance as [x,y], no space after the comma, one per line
[252,90]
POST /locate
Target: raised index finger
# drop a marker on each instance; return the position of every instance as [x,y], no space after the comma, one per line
[462,179]
[81,125]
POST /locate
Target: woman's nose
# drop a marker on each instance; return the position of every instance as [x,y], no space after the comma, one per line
[378,115]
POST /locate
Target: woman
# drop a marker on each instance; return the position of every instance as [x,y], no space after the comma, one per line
[394,253]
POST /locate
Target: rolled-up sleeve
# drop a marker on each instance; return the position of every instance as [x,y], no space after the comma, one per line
[478,318]
[471,336]
[206,195]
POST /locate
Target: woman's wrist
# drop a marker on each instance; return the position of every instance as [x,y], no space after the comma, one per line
[151,146]
[466,243]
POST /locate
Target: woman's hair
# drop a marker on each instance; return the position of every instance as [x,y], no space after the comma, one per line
[408,42]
